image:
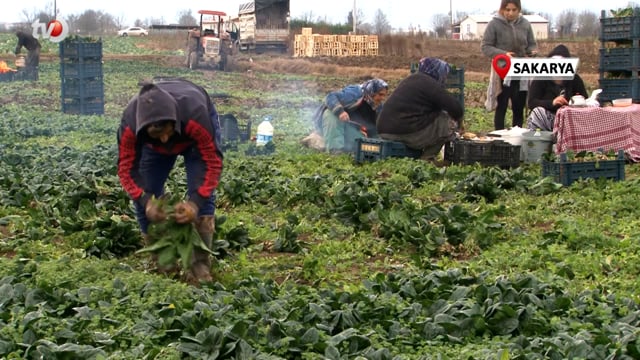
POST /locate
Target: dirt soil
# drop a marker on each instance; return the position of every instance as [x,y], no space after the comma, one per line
[393,63]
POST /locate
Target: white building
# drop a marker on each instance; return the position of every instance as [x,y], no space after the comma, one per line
[473,26]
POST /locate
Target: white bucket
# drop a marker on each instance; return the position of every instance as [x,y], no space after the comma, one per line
[535,146]
[515,140]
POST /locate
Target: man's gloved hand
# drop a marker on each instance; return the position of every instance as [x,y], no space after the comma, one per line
[154,212]
[186,212]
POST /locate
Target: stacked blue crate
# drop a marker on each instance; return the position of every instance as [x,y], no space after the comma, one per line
[81,76]
[620,57]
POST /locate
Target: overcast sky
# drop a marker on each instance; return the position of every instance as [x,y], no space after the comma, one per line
[399,13]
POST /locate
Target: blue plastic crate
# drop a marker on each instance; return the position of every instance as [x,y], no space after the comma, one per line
[82,88]
[83,106]
[565,172]
[77,49]
[455,79]
[81,69]
[619,88]
[20,75]
[620,28]
[618,59]
[486,153]
[369,149]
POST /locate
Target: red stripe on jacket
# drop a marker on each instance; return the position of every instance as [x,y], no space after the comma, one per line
[207,148]
[126,162]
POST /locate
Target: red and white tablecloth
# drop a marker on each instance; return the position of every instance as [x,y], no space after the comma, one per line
[593,128]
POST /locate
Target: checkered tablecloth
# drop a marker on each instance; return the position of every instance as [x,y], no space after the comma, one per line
[593,128]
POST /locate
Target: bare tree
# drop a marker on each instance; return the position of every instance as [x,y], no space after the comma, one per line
[307,17]
[588,24]
[95,22]
[88,22]
[43,15]
[441,24]
[461,15]
[185,17]
[153,21]
[119,20]
[566,22]
[359,17]
[381,25]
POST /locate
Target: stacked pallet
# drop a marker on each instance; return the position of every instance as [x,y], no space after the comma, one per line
[620,57]
[308,44]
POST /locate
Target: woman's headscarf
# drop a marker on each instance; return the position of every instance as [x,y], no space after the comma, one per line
[372,87]
[435,68]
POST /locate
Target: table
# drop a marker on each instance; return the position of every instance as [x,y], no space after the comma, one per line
[593,128]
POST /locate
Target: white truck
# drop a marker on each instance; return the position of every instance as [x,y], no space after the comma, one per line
[263,26]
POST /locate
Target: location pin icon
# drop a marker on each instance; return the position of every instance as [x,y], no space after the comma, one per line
[501,64]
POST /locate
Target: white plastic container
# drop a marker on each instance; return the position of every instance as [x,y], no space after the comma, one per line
[265,132]
[513,136]
[535,146]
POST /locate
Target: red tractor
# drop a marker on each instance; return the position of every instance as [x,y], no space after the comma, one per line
[212,43]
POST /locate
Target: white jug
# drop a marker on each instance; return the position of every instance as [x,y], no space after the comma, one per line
[578,100]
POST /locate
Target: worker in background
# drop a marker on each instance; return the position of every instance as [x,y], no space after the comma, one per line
[32,45]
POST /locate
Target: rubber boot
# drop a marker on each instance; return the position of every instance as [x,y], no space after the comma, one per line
[154,259]
[201,260]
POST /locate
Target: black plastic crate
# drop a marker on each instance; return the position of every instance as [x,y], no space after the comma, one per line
[619,88]
[80,69]
[82,88]
[620,27]
[83,106]
[565,172]
[81,49]
[369,149]
[617,59]
[232,130]
[487,153]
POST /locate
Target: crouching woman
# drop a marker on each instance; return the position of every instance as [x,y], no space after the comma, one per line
[420,112]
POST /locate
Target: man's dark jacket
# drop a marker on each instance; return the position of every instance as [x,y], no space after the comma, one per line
[414,105]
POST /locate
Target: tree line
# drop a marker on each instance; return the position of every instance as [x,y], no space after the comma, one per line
[567,23]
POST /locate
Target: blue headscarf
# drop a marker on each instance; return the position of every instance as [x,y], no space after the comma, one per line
[372,87]
[435,68]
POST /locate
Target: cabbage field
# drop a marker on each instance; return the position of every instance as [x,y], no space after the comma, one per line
[318,257]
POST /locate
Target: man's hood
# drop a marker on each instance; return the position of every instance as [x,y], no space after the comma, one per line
[154,104]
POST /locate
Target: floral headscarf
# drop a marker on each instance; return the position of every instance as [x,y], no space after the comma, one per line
[372,87]
[436,68]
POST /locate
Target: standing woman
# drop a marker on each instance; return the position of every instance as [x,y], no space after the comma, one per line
[511,34]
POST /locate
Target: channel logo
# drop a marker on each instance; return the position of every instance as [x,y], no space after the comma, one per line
[554,68]
[54,30]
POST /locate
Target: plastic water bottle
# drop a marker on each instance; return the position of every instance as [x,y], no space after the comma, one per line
[265,132]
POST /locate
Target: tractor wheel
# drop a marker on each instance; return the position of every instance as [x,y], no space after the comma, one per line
[192,62]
